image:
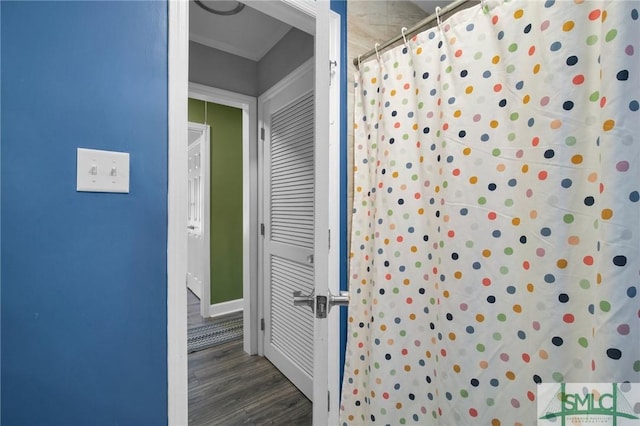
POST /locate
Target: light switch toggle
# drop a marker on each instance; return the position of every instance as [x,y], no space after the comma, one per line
[102,171]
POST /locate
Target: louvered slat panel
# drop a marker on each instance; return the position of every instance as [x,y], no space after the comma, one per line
[279,150]
[292,173]
[294,232]
[284,134]
[293,186]
[296,238]
[301,161]
[290,131]
[296,164]
[297,109]
[299,224]
[291,329]
[297,177]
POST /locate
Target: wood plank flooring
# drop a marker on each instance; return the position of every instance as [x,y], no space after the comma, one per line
[229,387]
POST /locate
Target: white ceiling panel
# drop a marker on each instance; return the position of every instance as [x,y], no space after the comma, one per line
[249,33]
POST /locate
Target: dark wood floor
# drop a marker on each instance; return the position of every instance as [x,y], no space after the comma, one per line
[229,387]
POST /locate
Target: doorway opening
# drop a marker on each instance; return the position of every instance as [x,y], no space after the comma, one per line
[303,17]
[229,120]
[246,103]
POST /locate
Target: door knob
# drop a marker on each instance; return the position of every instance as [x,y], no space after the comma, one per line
[191,227]
[300,299]
[341,299]
[320,305]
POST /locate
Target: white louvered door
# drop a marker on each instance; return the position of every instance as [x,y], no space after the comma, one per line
[288,217]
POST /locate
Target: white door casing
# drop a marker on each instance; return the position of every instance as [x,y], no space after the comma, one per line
[198,209]
[326,364]
[178,78]
[287,117]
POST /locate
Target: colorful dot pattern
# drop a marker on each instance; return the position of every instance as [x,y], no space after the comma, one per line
[496,221]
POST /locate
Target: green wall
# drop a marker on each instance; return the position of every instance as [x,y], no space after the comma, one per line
[226,196]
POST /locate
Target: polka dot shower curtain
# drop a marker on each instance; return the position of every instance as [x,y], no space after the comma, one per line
[496,228]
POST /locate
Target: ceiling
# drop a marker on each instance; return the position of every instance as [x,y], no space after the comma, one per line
[230,34]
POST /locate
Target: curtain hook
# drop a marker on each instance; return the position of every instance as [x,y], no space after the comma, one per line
[359,61]
[376,48]
[404,37]
[438,9]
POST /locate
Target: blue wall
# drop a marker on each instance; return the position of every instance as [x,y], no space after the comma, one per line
[83,275]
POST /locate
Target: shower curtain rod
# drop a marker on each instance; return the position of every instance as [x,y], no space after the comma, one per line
[454,5]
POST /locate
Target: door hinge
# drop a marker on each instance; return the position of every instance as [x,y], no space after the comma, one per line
[328,400]
[329,239]
[261,324]
[262,229]
[262,133]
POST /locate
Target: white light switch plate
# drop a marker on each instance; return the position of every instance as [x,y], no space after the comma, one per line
[102,171]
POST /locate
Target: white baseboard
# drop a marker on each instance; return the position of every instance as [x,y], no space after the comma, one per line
[225,308]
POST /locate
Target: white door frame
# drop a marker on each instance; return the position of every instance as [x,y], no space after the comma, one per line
[205,231]
[178,70]
[249,202]
[299,13]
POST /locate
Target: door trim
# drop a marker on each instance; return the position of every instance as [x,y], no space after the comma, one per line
[249,199]
[178,77]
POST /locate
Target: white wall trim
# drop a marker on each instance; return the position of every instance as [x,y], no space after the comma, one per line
[248,104]
[219,96]
[178,76]
[225,308]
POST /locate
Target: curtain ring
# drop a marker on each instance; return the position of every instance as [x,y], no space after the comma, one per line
[359,61]
[438,9]
[404,37]
[376,48]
